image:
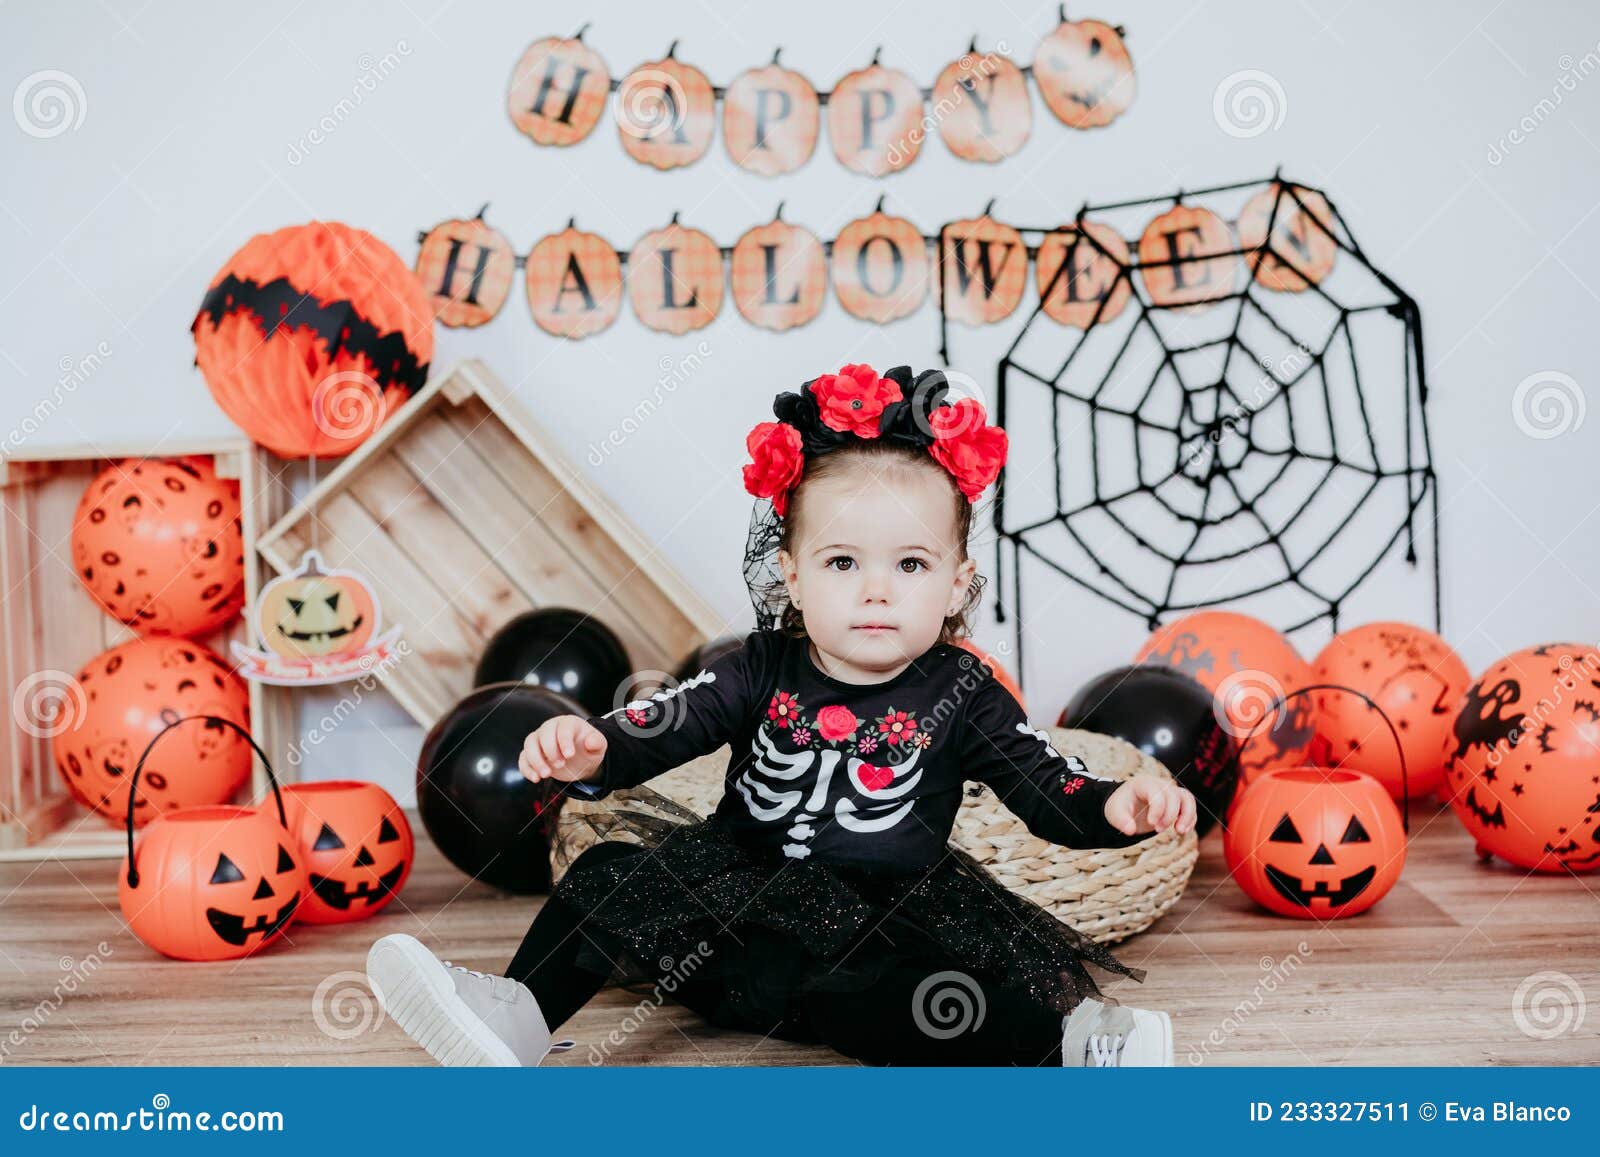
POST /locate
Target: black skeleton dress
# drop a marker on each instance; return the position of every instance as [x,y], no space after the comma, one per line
[827,861]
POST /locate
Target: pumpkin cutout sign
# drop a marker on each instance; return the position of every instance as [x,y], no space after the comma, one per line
[779,275]
[1315,843]
[574,283]
[1301,249]
[357,846]
[1186,257]
[1084,73]
[210,883]
[467,267]
[770,118]
[875,120]
[1083,276]
[316,626]
[880,267]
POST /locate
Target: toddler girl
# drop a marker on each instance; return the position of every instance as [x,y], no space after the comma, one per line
[821,901]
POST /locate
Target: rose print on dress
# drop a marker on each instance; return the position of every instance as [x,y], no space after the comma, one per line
[835,723]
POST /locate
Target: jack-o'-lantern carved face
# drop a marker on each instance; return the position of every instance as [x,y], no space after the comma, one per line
[1316,843]
[357,844]
[242,901]
[312,613]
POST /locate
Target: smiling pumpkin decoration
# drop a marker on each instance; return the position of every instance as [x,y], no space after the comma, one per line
[210,883]
[1315,843]
[312,613]
[357,846]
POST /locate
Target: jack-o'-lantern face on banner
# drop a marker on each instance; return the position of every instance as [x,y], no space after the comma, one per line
[875,120]
[574,283]
[770,118]
[1186,257]
[880,267]
[1085,74]
[559,91]
[1083,275]
[666,113]
[316,626]
[467,268]
[779,275]
[1302,249]
[985,270]
[675,279]
[987,111]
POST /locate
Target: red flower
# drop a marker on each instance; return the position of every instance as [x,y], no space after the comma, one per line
[897,725]
[775,446]
[852,400]
[1071,785]
[836,722]
[784,709]
[972,451]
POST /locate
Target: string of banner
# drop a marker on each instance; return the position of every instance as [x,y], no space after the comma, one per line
[878,117]
[879,266]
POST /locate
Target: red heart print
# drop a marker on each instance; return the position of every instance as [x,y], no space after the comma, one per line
[875,778]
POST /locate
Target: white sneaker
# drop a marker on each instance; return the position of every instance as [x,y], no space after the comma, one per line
[1096,1035]
[461,1016]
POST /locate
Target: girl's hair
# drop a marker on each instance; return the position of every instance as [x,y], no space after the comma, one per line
[957,626]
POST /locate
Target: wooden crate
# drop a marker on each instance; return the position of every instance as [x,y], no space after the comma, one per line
[51,623]
[462,513]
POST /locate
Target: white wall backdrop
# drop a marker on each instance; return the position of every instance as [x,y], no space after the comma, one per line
[1460,140]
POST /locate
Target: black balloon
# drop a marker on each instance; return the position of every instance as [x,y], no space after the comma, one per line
[485,817]
[562,650]
[1168,715]
[704,655]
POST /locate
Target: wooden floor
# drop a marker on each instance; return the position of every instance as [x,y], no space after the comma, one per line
[1429,976]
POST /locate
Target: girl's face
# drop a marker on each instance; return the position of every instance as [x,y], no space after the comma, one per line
[876,568]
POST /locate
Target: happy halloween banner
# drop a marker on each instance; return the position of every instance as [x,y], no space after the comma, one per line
[881,267]
[878,117]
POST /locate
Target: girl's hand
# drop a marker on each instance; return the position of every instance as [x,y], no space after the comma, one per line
[567,748]
[1148,803]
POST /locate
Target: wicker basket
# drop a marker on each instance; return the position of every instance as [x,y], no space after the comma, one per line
[1107,894]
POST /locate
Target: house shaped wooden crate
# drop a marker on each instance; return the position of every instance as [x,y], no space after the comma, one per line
[461,513]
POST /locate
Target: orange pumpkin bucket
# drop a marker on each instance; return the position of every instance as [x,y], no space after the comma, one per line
[210,883]
[357,846]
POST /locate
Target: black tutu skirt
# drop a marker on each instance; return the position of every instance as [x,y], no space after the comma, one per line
[762,931]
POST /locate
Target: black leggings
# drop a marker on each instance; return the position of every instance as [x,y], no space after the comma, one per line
[881,1025]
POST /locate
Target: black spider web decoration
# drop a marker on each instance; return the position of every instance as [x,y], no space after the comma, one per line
[1267,447]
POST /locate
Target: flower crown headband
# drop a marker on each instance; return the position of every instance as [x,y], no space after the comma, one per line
[856,404]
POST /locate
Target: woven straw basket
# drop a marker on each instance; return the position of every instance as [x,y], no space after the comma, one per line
[1108,894]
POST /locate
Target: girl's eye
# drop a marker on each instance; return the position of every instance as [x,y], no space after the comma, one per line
[916,565]
[844,558]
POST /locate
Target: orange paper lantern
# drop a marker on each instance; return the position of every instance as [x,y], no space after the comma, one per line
[310,337]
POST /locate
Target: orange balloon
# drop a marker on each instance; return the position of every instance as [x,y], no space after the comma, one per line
[122,699]
[357,846]
[1247,666]
[1002,676]
[1315,843]
[158,544]
[1523,759]
[212,883]
[310,337]
[1414,678]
